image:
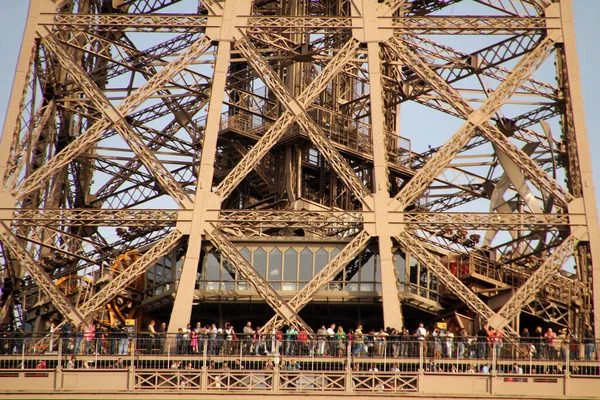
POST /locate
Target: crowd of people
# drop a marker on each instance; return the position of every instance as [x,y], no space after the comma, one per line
[332,341]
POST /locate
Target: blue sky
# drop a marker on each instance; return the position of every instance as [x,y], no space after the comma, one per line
[12,22]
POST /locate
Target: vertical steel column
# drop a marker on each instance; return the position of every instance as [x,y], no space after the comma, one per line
[583,153]
[182,307]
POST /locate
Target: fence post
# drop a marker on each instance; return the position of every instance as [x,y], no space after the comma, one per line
[23,354]
[421,345]
[348,373]
[204,352]
[276,378]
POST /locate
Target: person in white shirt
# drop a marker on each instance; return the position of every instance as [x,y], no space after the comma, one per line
[421,336]
[331,339]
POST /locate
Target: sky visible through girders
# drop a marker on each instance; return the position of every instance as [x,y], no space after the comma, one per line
[13,18]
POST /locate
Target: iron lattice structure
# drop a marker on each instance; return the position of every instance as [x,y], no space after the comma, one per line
[284,151]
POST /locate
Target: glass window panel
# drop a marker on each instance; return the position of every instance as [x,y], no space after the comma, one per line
[228,272]
[377,269]
[321,260]
[306,265]
[260,262]
[414,270]
[275,265]
[335,252]
[290,272]
[367,271]
[247,254]
[289,285]
[212,267]
[400,263]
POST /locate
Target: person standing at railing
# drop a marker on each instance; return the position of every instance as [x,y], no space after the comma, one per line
[496,338]
[561,344]
[67,336]
[78,339]
[123,340]
[340,339]
[550,341]
[525,342]
[321,340]
[461,341]
[151,332]
[573,348]
[194,342]
[421,334]
[89,334]
[291,336]
[248,335]
[404,342]
[52,332]
[212,339]
[331,346]
[538,342]
[359,341]
[303,346]
[229,339]
[482,340]
[588,346]
[395,341]
[161,332]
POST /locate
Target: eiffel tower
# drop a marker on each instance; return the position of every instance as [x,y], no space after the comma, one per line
[297,162]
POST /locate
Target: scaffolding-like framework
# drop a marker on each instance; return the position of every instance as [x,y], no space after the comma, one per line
[424,154]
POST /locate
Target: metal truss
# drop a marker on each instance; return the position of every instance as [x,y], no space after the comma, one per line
[262,287]
[279,127]
[536,281]
[180,128]
[330,271]
[19,254]
[118,283]
[93,134]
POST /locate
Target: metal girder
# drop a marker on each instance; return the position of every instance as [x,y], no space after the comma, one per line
[119,282]
[268,219]
[529,168]
[455,285]
[430,25]
[466,295]
[94,133]
[466,25]
[330,271]
[440,160]
[133,22]
[535,283]
[278,129]
[297,109]
[260,284]
[20,254]
[485,221]
[146,157]
[94,217]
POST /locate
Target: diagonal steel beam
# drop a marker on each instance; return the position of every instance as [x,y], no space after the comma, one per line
[466,295]
[338,162]
[441,159]
[20,254]
[116,285]
[308,292]
[278,129]
[536,282]
[94,133]
[260,284]
[162,175]
[464,109]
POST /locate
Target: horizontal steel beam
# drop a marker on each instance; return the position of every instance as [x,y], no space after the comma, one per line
[296,219]
[421,25]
